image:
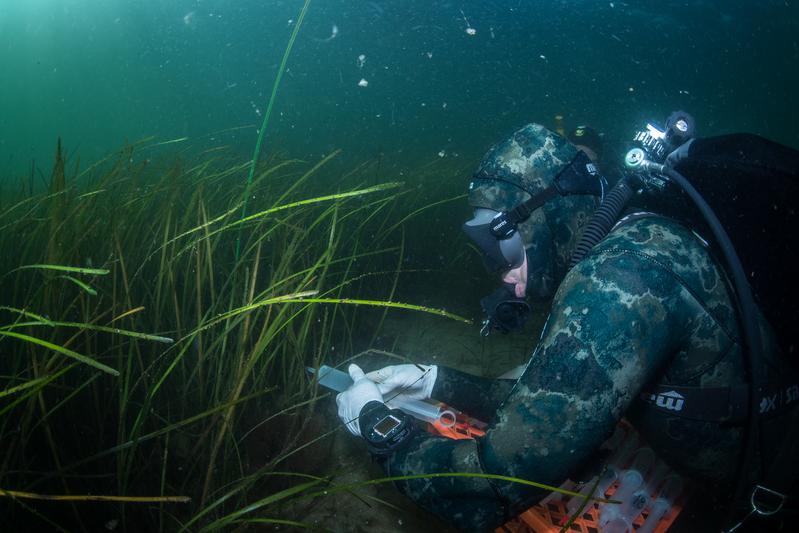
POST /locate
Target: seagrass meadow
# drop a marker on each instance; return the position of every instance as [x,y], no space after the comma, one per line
[154,336]
[201,199]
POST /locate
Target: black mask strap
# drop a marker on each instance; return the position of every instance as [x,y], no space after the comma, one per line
[504,225]
[578,177]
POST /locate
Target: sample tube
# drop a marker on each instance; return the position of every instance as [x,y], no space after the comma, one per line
[557,496]
[643,460]
[423,410]
[577,501]
[669,492]
[332,378]
[659,471]
[634,506]
[617,525]
[631,480]
[605,481]
[610,475]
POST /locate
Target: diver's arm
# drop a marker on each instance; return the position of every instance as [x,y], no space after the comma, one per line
[477,396]
[613,323]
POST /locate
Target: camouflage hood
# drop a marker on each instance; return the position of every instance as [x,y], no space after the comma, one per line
[511,172]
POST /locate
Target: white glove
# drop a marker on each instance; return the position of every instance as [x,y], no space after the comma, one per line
[351,401]
[406,380]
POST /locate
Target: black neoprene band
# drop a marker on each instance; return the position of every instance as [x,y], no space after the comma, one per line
[522,212]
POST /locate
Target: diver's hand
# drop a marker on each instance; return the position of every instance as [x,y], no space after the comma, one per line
[680,154]
[412,381]
[351,401]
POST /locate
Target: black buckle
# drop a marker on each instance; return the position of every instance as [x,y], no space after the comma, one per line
[502,226]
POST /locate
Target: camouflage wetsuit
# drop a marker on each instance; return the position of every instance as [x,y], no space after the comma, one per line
[648,305]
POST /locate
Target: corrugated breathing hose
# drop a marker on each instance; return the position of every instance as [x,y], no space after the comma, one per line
[603,220]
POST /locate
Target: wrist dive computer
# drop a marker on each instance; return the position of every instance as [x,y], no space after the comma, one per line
[385,430]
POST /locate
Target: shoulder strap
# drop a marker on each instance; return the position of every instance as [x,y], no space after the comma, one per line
[721,404]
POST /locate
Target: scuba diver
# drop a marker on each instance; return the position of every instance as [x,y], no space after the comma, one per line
[647,300]
[584,138]
[587,140]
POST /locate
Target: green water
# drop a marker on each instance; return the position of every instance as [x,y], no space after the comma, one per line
[418,89]
[98,72]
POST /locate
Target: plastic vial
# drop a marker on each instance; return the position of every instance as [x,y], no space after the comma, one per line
[670,491]
[643,460]
[605,481]
[634,506]
[630,481]
[608,477]
[557,496]
[659,471]
[617,525]
[658,511]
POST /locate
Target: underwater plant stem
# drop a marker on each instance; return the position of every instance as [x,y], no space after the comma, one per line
[586,499]
[476,475]
[268,113]
[302,491]
[400,259]
[198,279]
[51,442]
[61,350]
[269,329]
[64,268]
[163,484]
[92,497]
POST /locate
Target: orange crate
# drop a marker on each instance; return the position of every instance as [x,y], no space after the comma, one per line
[551,515]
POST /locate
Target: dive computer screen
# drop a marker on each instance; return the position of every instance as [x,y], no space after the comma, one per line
[384,426]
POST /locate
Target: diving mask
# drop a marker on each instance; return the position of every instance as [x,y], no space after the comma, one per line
[499,254]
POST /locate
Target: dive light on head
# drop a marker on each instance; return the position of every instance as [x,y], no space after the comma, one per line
[680,127]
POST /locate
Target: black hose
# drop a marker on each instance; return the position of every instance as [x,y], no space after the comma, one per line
[603,220]
[753,346]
